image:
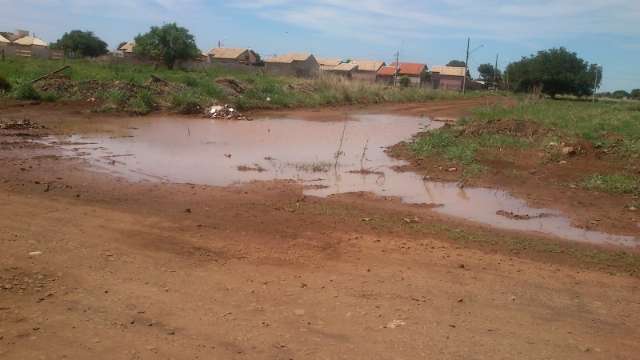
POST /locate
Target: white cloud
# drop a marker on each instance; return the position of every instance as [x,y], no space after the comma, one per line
[493,19]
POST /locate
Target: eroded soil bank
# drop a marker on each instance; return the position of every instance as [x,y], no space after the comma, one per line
[98,266]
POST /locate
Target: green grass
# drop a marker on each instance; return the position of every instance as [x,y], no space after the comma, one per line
[26,92]
[611,127]
[452,144]
[200,87]
[614,184]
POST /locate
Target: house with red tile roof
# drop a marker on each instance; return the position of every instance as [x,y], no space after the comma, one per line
[414,71]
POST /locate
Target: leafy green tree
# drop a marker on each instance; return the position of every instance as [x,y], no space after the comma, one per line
[555,71]
[620,94]
[170,43]
[78,43]
[405,81]
[635,94]
[488,71]
[457,63]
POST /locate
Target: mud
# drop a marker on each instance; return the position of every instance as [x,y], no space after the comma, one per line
[153,270]
[327,158]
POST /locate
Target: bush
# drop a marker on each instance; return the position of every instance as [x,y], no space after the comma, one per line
[27,92]
[186,102]
[5,85]
[143,103]
[405,81]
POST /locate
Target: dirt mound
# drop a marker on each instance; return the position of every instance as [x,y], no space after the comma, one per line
[58,84]
[521,128]
[232,86]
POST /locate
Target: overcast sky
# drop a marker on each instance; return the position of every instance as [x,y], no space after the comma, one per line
[429,31]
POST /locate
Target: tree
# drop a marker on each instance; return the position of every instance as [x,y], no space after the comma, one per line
[489,73]
[555,71]
[169,43]
[620,94]
[635,94]
[457,63]
[77,43]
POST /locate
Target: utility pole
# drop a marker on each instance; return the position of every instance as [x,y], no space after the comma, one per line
[495,74]
[395,75]
[595,83]
[466,68]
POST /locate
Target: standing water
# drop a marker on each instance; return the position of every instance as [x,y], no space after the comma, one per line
[326,157]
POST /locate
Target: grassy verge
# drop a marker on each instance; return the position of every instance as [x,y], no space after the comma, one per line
[123,87]
[559,129]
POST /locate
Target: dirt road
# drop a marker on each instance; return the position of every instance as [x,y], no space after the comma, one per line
[93,266]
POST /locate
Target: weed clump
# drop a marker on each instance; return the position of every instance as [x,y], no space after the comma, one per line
[27,92]
[613,184]
[5,85]
[143,103]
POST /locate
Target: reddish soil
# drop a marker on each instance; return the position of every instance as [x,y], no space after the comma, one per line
[93,266]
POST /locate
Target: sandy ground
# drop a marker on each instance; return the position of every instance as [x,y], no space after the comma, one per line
[96,267]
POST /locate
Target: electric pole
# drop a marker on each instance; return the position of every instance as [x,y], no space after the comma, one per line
[395,75]
[595,83]
[466,68]
[495,74]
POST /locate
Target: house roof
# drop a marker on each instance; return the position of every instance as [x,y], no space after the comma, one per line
[449,70]
[227,53]
[127,47]
[411,69]
[289,58]
[4,40]
[30,41]
[387,71]
[368,65]
[329,62]
[346,67]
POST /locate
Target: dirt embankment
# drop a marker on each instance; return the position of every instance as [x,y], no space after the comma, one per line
[97,267]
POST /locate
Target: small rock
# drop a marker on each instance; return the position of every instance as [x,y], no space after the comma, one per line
[568,150]
[633,208]
[461,300]
[298,312]
[461,266]
[188,211]
[395,324]
[35,253]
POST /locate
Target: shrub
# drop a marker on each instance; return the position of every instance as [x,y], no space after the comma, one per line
[143,103]
[405,81]
[5,85]
[27,92]
[185,102]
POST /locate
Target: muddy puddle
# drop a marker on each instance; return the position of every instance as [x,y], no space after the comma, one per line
[326,157]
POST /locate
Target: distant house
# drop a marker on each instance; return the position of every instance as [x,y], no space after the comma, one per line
[4,41]
[367,69]
[414,71]
[447,77]
[30,46]
[298,64]
[30,41]
[345,70]
[126,49]
[233,55]
[328,64]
